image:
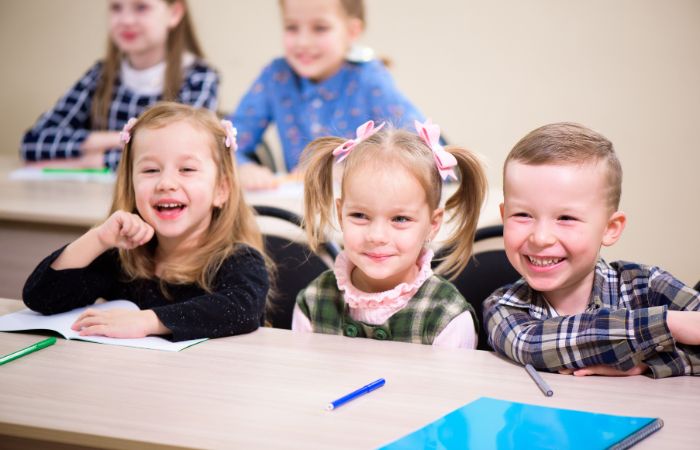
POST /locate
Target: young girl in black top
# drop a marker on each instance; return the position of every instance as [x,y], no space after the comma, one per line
[180,242]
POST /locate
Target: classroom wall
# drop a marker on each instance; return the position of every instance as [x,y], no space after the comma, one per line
[487,71]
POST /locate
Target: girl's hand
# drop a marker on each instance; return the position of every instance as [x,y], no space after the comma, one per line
[255,177]
[98,142]
[119,323]
[124,230]
[607,371]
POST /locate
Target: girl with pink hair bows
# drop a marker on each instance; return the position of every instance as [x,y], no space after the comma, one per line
[382,285]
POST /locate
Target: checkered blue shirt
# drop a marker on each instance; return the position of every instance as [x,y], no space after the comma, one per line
[624,323]
[60,131]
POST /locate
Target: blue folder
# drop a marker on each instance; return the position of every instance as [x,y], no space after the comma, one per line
[488,423]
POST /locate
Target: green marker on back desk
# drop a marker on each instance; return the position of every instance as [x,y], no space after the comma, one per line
[75,170]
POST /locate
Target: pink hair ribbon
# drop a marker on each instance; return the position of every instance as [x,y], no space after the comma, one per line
[231,133]
[125,134]
[363,132]
[445,161]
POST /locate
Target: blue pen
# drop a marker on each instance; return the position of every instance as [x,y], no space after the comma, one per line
[354,394]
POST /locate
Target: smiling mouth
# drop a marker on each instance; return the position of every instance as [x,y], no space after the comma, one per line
[544,262]
[163,207]
[377,258]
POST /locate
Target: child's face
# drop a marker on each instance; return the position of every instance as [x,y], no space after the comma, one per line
[317,36]
[140,28]
[556,217]
[386,221]
[175,181]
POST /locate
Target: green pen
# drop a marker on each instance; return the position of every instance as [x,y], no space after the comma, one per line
[25,351]
[75,170]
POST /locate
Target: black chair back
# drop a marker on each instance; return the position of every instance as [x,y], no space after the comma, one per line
[487,271]
[297,266]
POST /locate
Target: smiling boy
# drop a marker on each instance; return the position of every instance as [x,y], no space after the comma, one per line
[571,311]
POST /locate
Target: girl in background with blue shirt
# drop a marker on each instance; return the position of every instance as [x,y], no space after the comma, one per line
[315,90]
[152,54]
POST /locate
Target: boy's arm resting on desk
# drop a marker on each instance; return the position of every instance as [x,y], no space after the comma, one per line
[685,326]
[235,305]
[622,339]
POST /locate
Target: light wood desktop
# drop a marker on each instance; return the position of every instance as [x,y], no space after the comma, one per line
[268,389]
[39,216]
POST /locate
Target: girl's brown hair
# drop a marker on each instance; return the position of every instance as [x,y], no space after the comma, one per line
[181,38]
[390,147]
[231,224]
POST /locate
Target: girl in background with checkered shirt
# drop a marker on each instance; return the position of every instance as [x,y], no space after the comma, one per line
[152,54]
[382,285]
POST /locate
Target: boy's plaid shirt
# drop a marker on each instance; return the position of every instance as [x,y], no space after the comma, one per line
[623,325]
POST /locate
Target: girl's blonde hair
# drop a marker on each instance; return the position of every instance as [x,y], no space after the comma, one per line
[231,224]
[181,38]
[386,149]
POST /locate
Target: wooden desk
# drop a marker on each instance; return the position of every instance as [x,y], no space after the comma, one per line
[37,217]
[268,389]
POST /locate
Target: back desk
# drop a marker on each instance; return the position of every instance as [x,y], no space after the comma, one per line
[268,389]
[37,217]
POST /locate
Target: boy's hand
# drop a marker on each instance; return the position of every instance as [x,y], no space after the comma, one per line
[124,230]
[607,371]
[684,326]
[119,323]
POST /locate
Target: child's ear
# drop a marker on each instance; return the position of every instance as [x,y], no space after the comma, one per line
[436,222]
[177,12]
[613,230]
[355,28]
[502,208]
[339,212]
[221,193]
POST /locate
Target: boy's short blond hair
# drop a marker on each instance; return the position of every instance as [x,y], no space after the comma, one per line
[570,143]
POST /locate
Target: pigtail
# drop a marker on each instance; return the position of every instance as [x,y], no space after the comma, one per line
[464,207]
[317,161]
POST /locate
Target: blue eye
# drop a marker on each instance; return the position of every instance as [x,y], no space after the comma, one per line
[141,7]
[401,219]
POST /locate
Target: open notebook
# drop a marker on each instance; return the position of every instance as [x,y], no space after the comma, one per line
[488,423]
[26,319]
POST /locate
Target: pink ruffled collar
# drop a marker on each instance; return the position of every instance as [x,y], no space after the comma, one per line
[395,298]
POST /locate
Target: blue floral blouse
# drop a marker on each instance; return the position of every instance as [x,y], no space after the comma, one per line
[303,110]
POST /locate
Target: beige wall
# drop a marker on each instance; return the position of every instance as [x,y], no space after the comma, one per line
[487,71]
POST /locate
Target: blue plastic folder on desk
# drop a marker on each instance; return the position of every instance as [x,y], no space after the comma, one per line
[488,423]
